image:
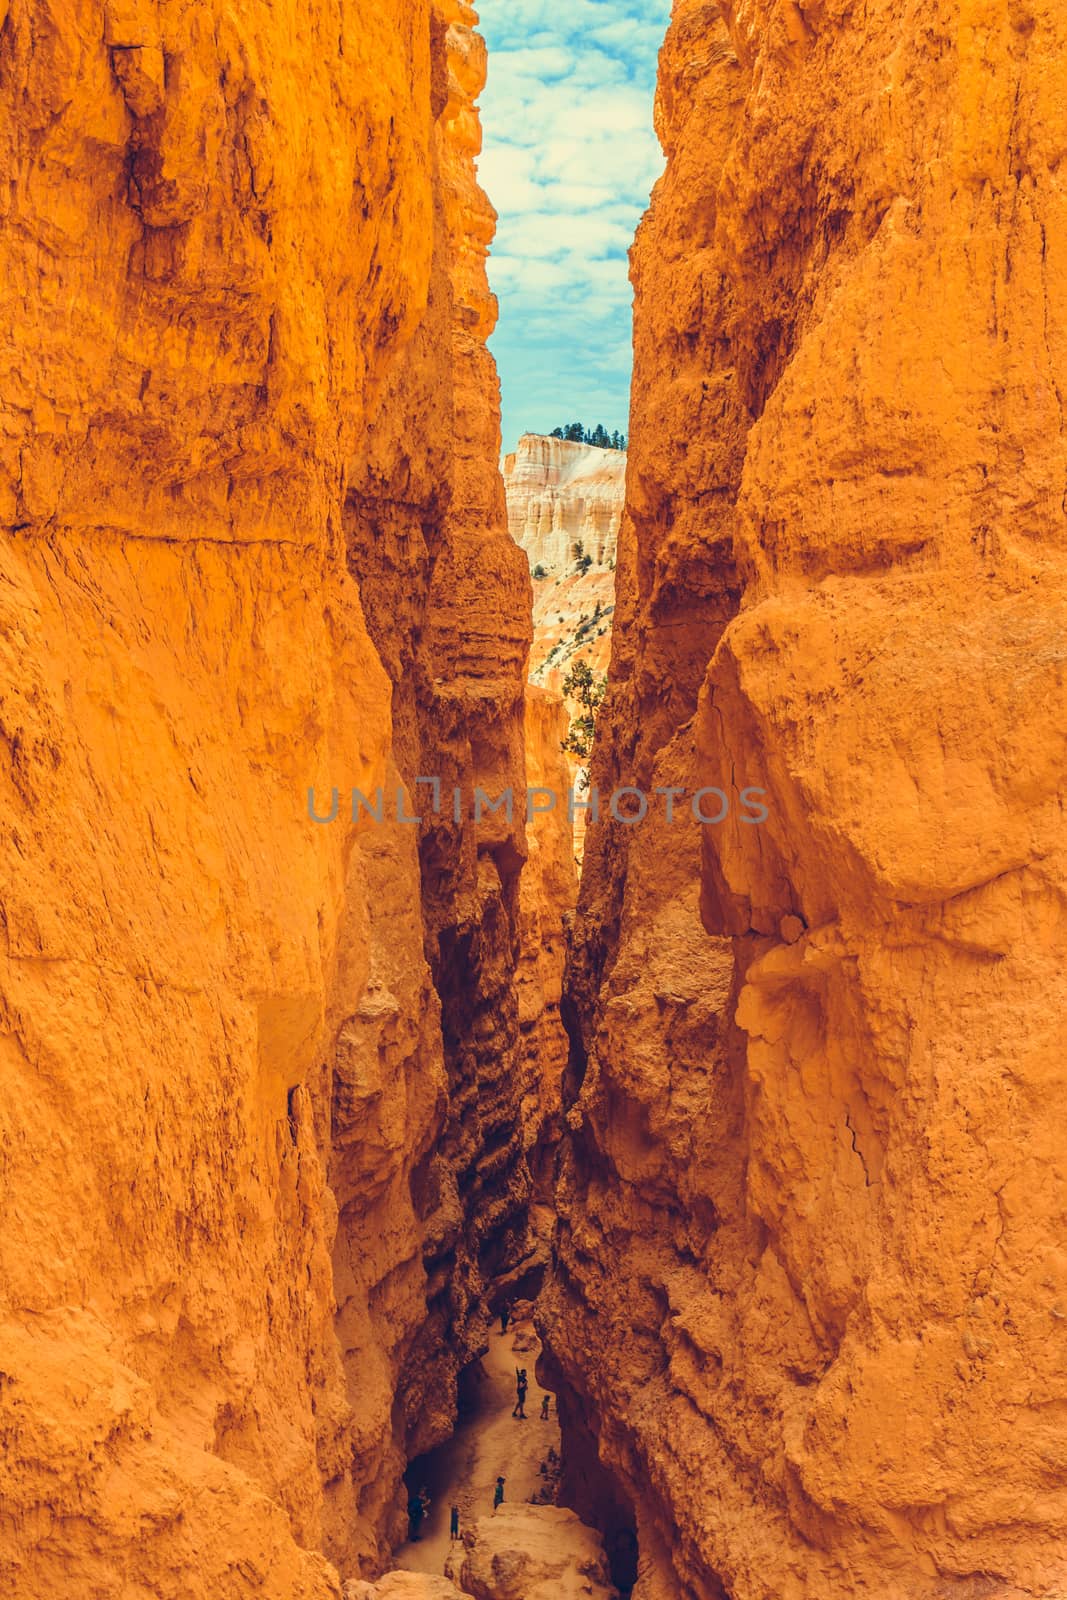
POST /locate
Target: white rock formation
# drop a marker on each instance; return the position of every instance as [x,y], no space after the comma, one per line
[559,493]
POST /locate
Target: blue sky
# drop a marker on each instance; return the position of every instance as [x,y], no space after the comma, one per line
[568,162]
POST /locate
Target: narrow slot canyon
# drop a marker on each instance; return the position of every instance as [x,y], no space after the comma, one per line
[485,899]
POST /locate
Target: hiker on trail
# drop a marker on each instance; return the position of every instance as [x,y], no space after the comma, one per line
[416,1511]
[521,1386]
[453,1525]
[505,1317]
[498,1493]
[545,1398]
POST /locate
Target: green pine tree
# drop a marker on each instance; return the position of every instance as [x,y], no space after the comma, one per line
[583,686]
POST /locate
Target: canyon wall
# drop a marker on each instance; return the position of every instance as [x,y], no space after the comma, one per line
[447,601]
[810,1291]
[547,896]
[261,1132]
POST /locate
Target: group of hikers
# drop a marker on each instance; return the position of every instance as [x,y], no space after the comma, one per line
[419,1503]
[522,1384]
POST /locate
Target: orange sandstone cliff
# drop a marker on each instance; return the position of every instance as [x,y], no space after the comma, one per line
[810,1296]
[261,1127]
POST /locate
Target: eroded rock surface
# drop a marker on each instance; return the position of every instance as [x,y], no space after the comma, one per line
[810,1287]
[548,892]
[404,1586]
[255,543]
[532,1553]
[446,597]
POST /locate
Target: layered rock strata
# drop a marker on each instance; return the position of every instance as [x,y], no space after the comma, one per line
[261,1129]
[560,493]
[809,1287]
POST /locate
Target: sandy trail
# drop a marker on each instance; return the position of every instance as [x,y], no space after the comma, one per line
[489,1441]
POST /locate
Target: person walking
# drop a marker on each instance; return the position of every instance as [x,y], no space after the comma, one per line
[505,1317]
[521,1386]
[453,1524]
[545,1398]
[498,1493]
[416,1512]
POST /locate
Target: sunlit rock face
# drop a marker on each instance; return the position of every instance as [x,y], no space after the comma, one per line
[572,617]
[810,1279]
[560,492]
[255,543]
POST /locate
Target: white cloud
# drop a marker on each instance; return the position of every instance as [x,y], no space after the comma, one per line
[569,160]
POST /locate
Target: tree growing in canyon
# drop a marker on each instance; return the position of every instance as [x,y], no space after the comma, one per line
[582,559]
[583,686]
